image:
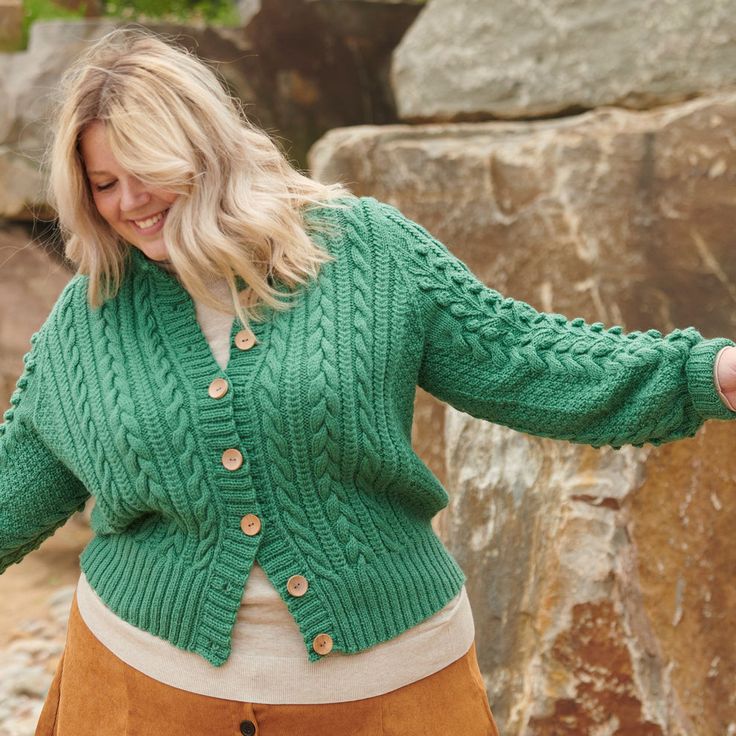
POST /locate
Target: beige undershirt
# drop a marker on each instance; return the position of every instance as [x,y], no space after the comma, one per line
[268,662]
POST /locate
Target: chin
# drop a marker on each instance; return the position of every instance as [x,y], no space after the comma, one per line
[154,251]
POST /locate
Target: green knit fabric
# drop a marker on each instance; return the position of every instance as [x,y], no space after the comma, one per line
[114,402]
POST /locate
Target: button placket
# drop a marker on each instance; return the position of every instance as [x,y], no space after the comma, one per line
[232,458]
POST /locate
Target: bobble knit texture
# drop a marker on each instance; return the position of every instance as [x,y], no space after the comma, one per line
[114,402]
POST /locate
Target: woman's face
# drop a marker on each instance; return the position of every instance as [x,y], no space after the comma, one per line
[130,207]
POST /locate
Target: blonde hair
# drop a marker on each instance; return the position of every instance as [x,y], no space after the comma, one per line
[171,122]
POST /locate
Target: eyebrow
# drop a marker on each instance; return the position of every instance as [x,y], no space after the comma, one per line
[98,172]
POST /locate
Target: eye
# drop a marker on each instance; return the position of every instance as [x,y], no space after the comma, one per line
[101,188]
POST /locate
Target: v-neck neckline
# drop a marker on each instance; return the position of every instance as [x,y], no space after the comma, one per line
[179,316]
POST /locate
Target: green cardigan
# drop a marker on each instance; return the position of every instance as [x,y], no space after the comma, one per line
[115,402]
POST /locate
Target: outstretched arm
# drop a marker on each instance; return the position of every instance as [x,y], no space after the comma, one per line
[500,359]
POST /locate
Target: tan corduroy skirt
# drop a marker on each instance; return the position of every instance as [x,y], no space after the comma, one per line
[94,693]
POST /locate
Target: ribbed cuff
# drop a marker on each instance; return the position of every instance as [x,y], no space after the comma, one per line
[701,383]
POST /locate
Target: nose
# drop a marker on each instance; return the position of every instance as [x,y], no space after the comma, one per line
[133,196]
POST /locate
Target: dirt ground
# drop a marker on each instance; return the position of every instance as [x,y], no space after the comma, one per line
[26,587]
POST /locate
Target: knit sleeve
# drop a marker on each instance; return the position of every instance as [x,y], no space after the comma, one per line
[37,492]
[500,359]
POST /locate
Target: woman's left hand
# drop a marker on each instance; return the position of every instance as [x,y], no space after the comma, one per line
[726,375]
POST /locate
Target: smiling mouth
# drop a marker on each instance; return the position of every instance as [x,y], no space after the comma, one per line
[149,222]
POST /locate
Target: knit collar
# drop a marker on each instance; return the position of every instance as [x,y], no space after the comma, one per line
[175,314]
[141,263]
[163,275]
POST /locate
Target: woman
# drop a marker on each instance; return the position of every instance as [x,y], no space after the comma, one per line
[231,373]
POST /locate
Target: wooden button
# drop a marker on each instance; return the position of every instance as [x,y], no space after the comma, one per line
[232,459]
[322,644]
[297,585]
[250,524]
[245,340]
[218,388]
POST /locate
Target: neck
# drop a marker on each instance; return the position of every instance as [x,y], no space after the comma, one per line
[166,265]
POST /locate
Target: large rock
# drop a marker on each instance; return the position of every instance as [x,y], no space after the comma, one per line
[334,74]
[504,59]
[600,581]
[11,24]
[21,191]
[27,82]
[313,65]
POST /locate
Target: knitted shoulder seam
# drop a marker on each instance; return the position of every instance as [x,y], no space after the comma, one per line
[369,206]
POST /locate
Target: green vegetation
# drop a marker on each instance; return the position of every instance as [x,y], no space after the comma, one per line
[215,12]
[34,10]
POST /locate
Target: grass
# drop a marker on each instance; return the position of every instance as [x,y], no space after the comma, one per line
[214,12]
[34,10]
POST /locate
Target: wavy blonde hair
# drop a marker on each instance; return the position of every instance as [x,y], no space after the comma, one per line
[241,210]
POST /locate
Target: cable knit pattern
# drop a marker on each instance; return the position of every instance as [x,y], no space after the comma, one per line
[321,409]
[499,359]
[37,492]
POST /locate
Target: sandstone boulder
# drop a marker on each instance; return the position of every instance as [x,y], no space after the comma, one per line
[27,81]
[601,580]
[11,24]
[299,68]
[503,59]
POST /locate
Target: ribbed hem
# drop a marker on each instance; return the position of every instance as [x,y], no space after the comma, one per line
[265,666]
[175,601]
[378,603]
[160,595]
[701,384]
